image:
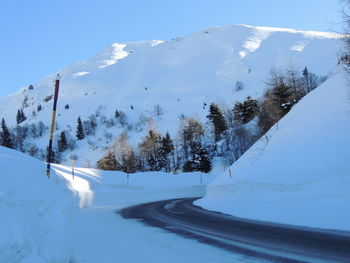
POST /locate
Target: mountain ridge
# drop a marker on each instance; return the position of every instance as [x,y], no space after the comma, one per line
[181,75]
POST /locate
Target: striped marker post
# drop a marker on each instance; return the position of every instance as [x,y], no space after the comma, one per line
[73,169]
[49,153]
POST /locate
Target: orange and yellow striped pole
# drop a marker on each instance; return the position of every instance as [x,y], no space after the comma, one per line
[49,152]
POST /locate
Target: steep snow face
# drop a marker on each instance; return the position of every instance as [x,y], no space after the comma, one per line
[180,75]
[300,175]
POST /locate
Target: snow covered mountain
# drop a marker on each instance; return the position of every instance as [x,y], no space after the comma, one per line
[299,173]
[154,82]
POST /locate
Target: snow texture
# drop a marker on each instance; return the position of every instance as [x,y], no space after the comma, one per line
[299,173]
[180,75]
[67,220]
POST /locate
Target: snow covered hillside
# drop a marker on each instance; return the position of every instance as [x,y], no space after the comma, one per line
[155,82]
[301,174]
[64,220]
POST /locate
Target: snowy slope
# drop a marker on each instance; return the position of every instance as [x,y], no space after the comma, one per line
[180,75]
[33,211]
[302,174]
[64,220]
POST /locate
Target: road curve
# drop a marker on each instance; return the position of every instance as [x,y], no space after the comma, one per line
[256,239]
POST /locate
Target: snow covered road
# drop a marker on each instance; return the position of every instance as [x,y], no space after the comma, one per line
[255,239]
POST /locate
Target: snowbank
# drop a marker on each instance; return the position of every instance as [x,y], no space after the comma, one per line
[33,211]
[301,175]
[67,220]
[96,187]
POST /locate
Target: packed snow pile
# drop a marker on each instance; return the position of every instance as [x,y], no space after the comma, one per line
[153,83]
[300,172]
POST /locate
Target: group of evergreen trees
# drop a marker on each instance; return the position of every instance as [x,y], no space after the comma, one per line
[154,153]
[245,111]
[192,150]
[284,91]
[225,134]
[15,137]
[217,118]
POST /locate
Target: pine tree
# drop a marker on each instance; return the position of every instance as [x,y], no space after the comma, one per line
[62,142]
[280,96]
[204,160]
[199,159]
[239,111]
[306,77]
[150,149]
[129,162]
[108,162]
[217,118]
[167,144]
[5,136]
[23,116]
[191,130]
[166,149]
[80,131]
[20,117]
[250,109]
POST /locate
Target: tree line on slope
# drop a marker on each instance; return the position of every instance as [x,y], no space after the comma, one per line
[227,133]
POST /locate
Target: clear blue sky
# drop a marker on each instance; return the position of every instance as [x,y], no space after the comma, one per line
[39,37]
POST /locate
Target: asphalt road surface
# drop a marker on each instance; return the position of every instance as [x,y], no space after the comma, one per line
[255,239]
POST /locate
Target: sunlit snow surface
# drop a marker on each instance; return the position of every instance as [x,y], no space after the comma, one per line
[79,74]
[117,53]
[254,42]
